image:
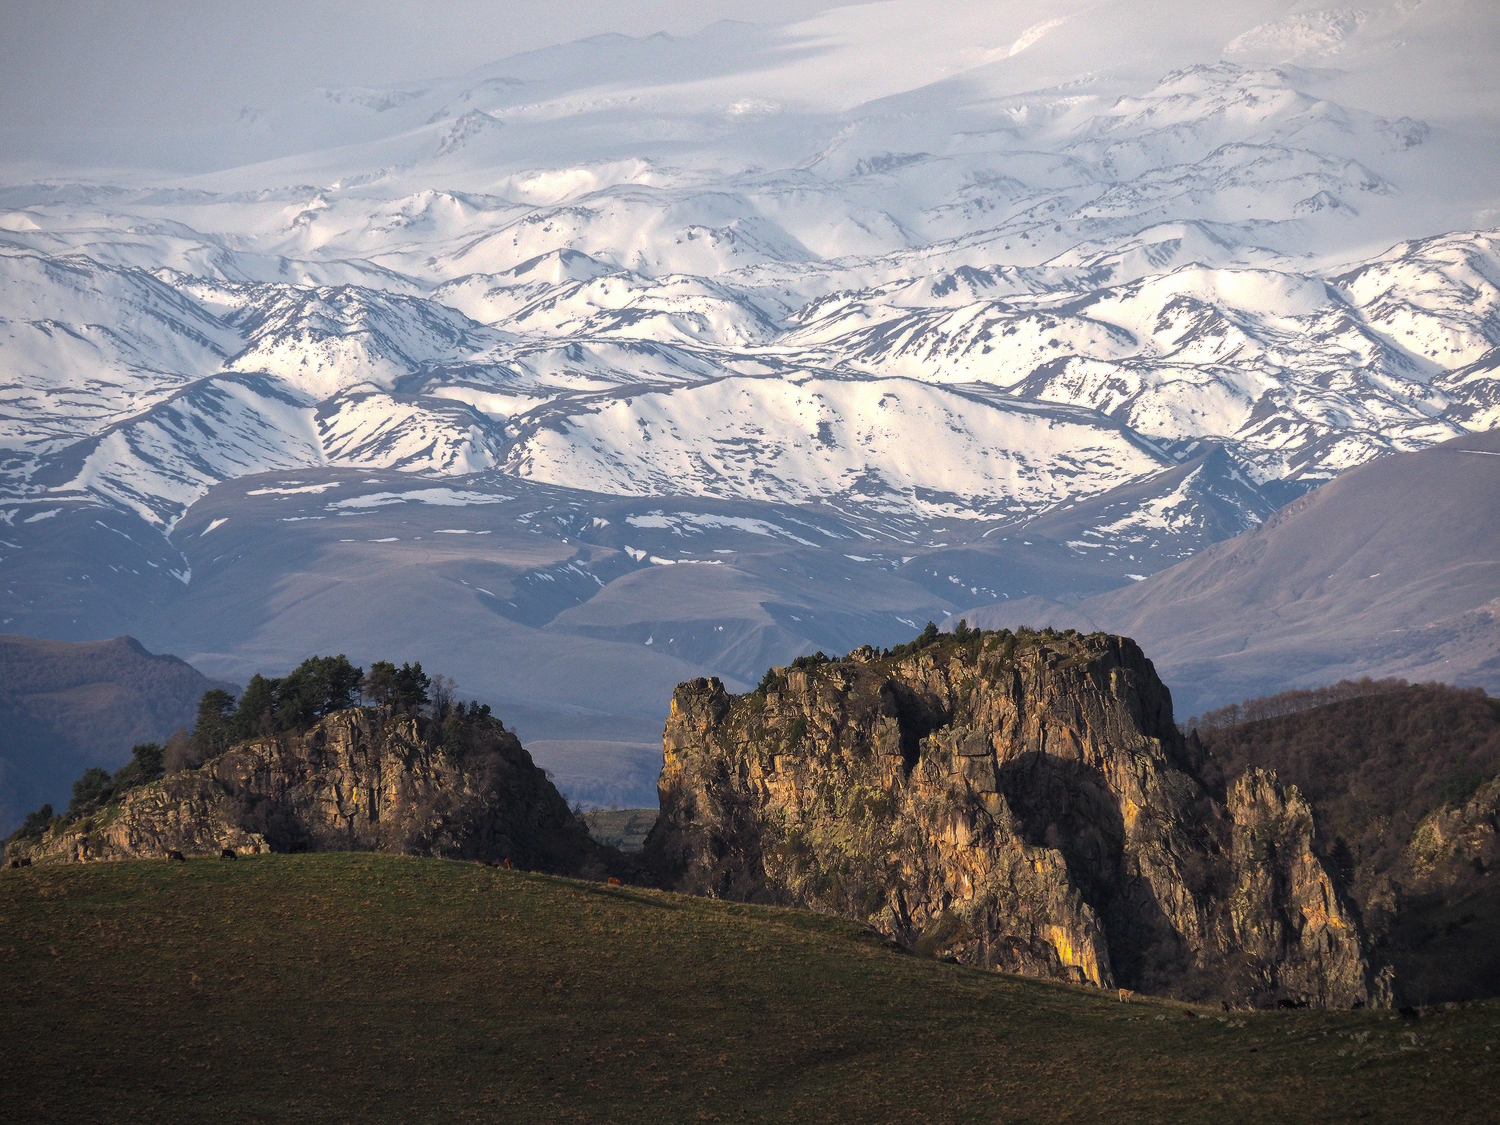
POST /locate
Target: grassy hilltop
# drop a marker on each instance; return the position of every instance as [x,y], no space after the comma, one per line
[358,987]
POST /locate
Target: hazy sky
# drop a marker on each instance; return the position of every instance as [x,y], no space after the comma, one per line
[196,63]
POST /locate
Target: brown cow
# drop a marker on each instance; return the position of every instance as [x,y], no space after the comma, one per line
[615,882]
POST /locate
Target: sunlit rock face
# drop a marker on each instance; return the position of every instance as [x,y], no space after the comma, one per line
[1023,803]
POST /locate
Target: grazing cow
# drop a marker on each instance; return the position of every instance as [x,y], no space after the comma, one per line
[177,855]
[614,882]
[228,853]
[505,863]
[1126,994]
[1189,1013]
[25,861]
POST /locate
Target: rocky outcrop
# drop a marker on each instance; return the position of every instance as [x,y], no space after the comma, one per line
[1284,907]
[1022,803]
[1454,843]
[363,779]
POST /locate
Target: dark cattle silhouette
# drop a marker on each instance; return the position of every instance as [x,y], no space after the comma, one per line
[177,855]
[23,862]
[228,853]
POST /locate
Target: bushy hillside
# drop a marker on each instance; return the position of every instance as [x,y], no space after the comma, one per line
[296,764]
[1404,782]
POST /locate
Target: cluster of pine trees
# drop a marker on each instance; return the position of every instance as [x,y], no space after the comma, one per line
[318,686]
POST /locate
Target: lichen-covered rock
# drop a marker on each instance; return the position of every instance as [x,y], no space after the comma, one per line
[1455,841]
[358,780]
[1022,803]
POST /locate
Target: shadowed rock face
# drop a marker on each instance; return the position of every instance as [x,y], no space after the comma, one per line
[1020,803]
[358,780]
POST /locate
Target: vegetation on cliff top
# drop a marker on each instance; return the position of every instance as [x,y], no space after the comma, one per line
[379,988]
[319,686]
[963,643]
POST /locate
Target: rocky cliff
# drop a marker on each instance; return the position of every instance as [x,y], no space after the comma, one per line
[1022,803]
[362,779]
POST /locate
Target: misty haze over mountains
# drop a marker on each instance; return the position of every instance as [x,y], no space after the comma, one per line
[636,358]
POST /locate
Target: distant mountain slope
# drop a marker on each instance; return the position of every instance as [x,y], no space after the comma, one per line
[1392,569]
[66,706]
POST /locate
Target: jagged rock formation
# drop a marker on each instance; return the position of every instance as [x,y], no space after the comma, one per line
[363,779]
[1402,780]
[1018,802]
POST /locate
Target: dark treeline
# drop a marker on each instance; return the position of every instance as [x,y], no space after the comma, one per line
[1288,703]
[317,687]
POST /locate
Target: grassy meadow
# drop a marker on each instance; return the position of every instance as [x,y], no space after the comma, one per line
[625,829]
[365,988]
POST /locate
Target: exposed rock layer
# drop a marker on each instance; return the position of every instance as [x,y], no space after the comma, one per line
[358,780]
[1022,803]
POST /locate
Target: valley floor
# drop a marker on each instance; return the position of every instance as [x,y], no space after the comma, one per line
[374,988]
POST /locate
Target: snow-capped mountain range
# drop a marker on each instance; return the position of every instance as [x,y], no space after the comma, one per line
[1131,272]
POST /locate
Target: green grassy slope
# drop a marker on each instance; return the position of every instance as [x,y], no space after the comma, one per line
[342,987]
[625,829]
